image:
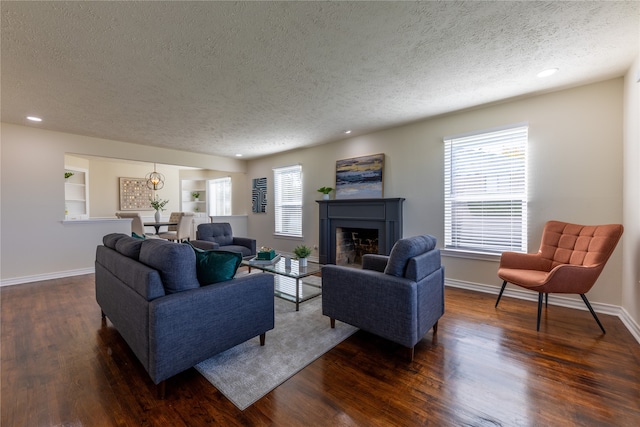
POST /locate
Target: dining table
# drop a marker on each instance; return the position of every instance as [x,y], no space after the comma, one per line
[157,225]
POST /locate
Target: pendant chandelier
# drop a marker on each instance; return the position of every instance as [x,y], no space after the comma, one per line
[155,180]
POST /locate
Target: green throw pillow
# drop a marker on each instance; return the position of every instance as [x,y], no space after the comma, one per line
[215,266]
[137,236]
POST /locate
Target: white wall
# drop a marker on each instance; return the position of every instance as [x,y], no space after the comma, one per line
[576,175]
[631,240]
[35,243]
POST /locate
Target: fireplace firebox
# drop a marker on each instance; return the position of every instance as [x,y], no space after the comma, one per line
[367,218]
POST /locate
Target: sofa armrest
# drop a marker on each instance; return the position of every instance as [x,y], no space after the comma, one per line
[374,262]
[188,327]
[205,244]
[246,242]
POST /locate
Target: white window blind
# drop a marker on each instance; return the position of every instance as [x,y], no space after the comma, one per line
[287,188]
[220,196]
[485,202]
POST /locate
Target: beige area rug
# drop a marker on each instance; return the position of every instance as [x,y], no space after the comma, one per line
[248,371]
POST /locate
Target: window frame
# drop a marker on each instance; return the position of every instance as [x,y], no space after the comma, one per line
[288,201]
[212,186]
[502,156]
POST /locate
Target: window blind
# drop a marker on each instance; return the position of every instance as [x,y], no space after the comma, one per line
[485,179]
[287,188]
[220,196]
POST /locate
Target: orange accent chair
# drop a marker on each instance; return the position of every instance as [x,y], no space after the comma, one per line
[570,259]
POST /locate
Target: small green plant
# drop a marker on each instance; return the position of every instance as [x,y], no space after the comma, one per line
[325,190]
[195,195]
[302,251]
[68,175]
[157,203]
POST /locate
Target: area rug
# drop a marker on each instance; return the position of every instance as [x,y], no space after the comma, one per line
[248,371]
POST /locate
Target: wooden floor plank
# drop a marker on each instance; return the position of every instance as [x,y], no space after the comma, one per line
[488,367]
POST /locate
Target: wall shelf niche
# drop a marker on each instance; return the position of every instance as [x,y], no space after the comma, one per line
[76,194]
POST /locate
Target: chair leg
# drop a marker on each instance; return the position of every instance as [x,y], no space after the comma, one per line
[410,352]
[546,300]
[161,390]
[540,296]
[504,285]
[593,313]
[434,338]
[263,337]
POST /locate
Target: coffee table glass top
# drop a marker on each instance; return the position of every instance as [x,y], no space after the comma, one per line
[295,283]
[295,271]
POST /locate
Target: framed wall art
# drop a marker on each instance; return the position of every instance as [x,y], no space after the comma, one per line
[360,177]
[259,195]
[135,195]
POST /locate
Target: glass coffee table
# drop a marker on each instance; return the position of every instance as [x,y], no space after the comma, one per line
[288,281]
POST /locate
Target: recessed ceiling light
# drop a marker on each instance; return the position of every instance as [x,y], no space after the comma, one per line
[347,132]
[34,119]
[547,73]
[238,155]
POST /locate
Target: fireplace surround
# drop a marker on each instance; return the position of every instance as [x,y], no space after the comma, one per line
[383,215]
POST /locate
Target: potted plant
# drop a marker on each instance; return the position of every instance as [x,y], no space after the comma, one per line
[325,192]
[68,175]
[302,252]
[158,204]
[195,195]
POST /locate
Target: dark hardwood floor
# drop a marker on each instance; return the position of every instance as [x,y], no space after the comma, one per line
[489,367]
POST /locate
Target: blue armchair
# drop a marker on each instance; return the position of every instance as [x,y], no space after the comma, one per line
[218,235]
[397,297]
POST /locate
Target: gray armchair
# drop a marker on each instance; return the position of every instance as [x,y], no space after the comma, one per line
[397,297]
[218,235]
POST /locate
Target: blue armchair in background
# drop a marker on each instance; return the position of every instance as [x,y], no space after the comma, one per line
[397,297]
[218,235]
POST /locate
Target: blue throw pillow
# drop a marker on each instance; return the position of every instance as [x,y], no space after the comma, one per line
[129,247]
[111,239]
[137,236]
[213,266]
[407,248]
[174,262]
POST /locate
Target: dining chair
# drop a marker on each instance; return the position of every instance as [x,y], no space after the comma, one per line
[182,230]
[569,261]
[136,221]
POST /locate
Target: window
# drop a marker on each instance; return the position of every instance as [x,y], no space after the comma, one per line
[485,201]
[287,189]
[220,196]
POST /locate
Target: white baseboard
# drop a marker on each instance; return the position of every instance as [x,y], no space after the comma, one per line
[555,299]
[48,276]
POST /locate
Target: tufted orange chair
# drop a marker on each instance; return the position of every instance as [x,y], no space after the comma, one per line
[570,259]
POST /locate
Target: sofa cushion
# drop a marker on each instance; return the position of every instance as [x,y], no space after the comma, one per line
[129,247]
[110,240]
[404,249]
[176,264]
[213,266]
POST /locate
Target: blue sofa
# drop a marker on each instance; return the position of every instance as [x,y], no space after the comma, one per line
[149,291]
[398,297]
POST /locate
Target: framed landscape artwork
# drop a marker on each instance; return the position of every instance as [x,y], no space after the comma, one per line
[360,177]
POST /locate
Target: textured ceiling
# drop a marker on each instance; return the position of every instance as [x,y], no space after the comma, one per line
[263,77]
